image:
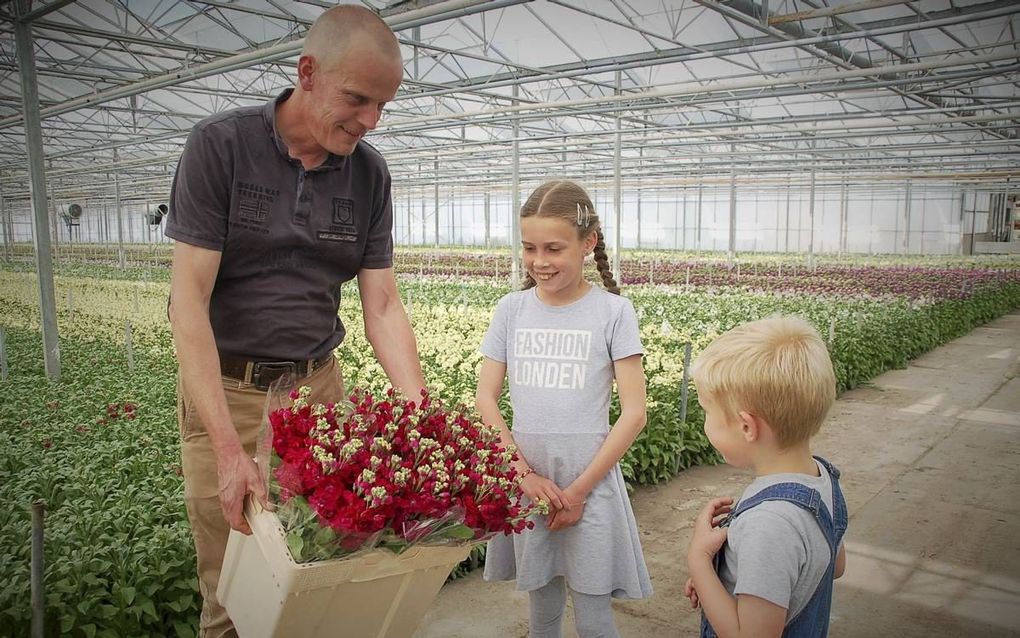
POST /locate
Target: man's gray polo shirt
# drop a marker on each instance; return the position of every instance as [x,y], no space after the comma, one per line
[288,237]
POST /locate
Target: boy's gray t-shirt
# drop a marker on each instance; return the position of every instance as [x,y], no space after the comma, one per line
[776,550]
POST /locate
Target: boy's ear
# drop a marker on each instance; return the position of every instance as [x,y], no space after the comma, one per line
[751,426]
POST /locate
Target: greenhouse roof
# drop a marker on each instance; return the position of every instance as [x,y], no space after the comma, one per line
[647,91]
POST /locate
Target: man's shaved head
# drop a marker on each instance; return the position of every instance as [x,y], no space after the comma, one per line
[344,26]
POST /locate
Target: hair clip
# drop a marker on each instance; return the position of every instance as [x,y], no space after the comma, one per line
[583,215]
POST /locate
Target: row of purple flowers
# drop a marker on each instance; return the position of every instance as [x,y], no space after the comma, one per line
[927,281]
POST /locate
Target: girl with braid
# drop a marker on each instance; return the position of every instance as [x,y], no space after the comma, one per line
[562,342]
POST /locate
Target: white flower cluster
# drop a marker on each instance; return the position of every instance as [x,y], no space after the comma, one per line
[358,424]
[442,478]
[324,458]
[401,476]
[376,497]
[303,393]
[350,448]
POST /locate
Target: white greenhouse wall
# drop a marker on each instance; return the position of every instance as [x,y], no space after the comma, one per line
[768,219]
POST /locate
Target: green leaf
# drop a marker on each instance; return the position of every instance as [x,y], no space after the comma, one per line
[149,609]
[183,630]
[324,536]
[459,531]
[127,594]
[296,546]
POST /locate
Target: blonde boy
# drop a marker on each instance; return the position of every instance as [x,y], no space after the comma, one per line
[766,386]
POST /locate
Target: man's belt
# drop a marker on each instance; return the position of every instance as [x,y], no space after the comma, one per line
[262,373]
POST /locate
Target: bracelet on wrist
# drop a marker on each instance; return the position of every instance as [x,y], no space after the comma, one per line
[525,473]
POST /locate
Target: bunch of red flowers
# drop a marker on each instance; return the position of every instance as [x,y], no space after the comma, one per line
[389,472]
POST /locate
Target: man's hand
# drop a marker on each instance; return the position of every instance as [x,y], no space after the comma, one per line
[238,476]
[708,537]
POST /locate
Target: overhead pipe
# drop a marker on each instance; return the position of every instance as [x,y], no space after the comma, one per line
[283,50]
[583,143]
[825,12]
[721,181]
[748,12]
[726,97]
[668,108]
[693,89]
[836,177]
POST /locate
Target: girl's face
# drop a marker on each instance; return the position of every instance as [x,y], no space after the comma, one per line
[554,257]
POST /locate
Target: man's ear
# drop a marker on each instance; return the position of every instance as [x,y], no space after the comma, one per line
[306,70]
[751,426]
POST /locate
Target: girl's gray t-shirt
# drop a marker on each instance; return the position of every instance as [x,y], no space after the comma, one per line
[559,359]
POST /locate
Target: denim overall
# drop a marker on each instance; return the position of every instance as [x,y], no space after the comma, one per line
[813,620]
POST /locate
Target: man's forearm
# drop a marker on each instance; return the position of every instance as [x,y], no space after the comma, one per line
[397,351]
[200,374]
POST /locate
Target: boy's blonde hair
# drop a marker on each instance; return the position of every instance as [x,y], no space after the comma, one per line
[777,369]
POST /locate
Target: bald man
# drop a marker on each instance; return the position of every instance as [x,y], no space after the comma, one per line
[272,208]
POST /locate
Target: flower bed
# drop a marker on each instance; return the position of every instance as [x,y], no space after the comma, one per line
[119,554]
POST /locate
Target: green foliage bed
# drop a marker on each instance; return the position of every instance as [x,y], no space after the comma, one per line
[119,559]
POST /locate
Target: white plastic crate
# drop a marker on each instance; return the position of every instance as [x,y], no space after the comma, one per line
[374,595]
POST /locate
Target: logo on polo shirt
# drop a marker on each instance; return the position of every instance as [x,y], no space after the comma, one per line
[343,211]
[343,228]
[254,203]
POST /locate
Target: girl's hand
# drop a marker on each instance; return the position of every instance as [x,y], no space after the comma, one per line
[539,488]
[569,515]
[691,593]
[708,537]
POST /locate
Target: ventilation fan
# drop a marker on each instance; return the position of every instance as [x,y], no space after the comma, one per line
[154,218]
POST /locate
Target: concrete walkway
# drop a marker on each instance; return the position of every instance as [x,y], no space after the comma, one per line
[930,458]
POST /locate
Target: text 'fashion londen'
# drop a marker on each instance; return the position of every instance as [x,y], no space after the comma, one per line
[552,359]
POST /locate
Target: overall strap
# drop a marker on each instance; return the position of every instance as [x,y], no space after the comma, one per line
[802,496]
[840,517]
[833,471]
